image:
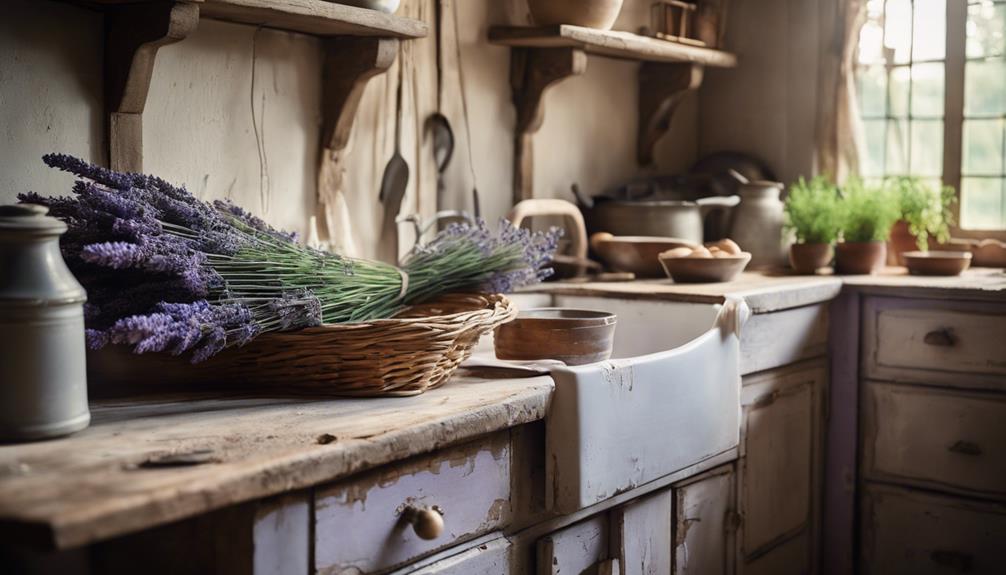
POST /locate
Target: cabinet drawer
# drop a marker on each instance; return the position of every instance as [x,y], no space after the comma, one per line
[580,548]
[956,344]
[916,533]
[361,526]
[491,557]
[935,438]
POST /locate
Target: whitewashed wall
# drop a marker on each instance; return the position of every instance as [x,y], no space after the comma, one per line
[198,126]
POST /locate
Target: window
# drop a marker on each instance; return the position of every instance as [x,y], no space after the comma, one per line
[931,81]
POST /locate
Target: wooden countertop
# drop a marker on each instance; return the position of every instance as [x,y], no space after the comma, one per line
[115,477]
[768,291]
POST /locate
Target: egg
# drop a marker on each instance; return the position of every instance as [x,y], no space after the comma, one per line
[682,252]
[700,252]
[729,246]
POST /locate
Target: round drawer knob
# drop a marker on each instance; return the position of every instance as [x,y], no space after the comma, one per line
[427,522]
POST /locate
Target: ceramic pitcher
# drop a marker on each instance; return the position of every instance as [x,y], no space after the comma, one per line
[757,223]
[43,380]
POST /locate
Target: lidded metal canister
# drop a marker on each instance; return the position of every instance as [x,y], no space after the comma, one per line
[43,376]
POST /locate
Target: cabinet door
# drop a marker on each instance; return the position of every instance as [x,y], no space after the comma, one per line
[789,558]
[643,534]
[578,549]
[778,439]
[703,526]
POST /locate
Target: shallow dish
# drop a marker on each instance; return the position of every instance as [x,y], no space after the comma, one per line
[636,254]
[937,263]
[705,270]
[574,336]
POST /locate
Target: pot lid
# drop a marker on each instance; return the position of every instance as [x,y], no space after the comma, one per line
[29,219]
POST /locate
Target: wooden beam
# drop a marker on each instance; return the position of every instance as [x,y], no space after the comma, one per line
[532,72]
[133,34]
[662,87]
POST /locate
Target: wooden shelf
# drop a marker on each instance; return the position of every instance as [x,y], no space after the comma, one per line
[316,17]
[544,56]
[610,44]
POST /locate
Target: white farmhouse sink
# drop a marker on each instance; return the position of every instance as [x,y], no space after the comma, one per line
[668,398]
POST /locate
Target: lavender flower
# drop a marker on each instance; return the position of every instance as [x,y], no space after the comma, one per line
[252,221]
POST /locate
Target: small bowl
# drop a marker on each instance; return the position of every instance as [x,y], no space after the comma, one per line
[704,270]
[573,336]
[937,263]
[635,254]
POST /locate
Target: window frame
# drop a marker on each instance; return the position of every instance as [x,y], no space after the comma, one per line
[954,64]
[953,114]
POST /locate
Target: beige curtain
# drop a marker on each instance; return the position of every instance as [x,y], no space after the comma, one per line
[839,125]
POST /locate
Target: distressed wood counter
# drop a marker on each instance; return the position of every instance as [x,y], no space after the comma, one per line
[149,461]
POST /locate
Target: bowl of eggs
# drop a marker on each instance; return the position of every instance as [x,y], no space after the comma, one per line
[719,261]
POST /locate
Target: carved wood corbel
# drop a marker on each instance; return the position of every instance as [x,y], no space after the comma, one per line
[532,72]
[349,63]
[662,87]
[133,34]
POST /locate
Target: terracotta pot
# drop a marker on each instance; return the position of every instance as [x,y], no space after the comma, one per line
[859,258]
[901,241]
[600,14]
[808,258]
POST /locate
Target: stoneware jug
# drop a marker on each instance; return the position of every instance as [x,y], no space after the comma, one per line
[43,379]
[757,223]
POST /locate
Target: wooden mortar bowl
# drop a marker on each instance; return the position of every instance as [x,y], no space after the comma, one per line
[573,336]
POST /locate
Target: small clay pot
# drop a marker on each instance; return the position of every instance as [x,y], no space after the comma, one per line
[901,241]
[808,258]
[599,14]
[859,258]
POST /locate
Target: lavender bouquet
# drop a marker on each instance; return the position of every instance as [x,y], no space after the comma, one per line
[167,272]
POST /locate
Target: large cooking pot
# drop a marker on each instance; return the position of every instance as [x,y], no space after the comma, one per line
[687,220]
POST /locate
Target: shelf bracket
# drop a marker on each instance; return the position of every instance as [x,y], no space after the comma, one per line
[662,87]
[133,34]
[349,63]
[532,72]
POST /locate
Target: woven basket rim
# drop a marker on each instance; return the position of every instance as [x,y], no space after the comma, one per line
[495,303]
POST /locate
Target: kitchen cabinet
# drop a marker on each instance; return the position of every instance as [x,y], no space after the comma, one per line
[932,420]
[779,466]
[642,534]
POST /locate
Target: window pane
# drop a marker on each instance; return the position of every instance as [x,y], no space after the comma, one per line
[899,82]
[930,30]
[927,148]
[986,29]
[985,88]
[982,203]
[873,155]
[983,147]
[897,148]
[927,90]
[871,43]
[898,30]
[872,91]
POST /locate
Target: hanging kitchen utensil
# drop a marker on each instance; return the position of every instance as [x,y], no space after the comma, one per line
[438,124]
[476,204]
[394,181]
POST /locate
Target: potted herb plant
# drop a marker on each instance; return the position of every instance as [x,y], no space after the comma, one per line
[867,215]
[925,212]
[813,218]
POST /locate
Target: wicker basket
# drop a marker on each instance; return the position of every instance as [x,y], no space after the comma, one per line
[417,350]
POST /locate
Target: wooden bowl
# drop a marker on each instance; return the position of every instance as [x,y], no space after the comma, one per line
[636,254]
[574,336]
[705,270]
[937,263]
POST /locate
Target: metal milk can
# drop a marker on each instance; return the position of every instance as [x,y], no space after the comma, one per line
[43,379]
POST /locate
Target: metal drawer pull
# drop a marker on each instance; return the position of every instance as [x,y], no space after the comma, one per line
[943,337]
[965,448]
[427,522]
